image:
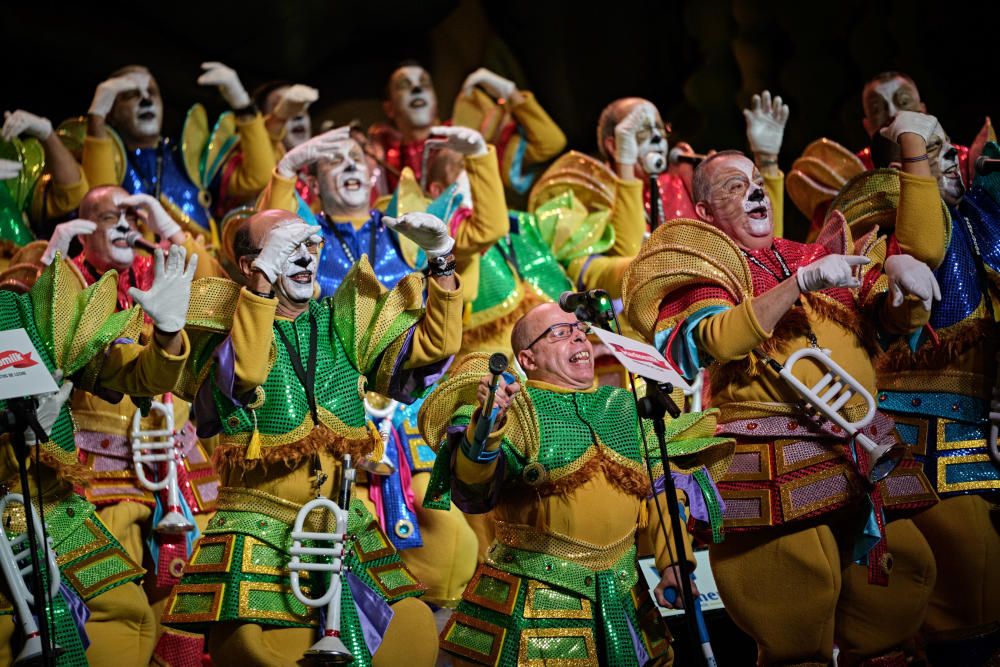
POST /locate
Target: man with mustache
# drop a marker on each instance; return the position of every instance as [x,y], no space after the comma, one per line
[940,388]
[563,470]
[411,107]
[130,102]
[723,292]
[284,392]
[79,335]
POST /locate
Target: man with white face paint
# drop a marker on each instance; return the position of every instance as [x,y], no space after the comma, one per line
[724,293]
[942,387]
[283,395]
[130,102]
[411,107]
[285,106]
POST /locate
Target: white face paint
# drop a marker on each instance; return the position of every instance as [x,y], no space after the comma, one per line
[117,246]
[297,130]
[944,165]
[882,101]
[344,183]
[412,95]
[652,138]
[298,276]
[756,203]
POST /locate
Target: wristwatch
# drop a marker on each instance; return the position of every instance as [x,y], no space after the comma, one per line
[441,266]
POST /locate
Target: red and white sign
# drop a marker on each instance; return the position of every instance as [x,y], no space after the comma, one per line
[22,372]
[641,358]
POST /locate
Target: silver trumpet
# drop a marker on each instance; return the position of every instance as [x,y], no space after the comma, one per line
[383,466]
[329,650]
[831,393]
[15,560]
[158,446]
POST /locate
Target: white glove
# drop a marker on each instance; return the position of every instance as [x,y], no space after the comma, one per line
[156,218]
[9,169]
[48,408]
[424,229]
[909,276]
[829,271]
[63,235]
[166,301]
[22,122]
[923,124]
[295,100]
[312,150]
[462,140]
[496,85]
[766,120]
[228,82]
[626,146]
[281,243]
[107,91]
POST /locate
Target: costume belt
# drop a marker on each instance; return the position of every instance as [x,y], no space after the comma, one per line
[253,501]
[584,554]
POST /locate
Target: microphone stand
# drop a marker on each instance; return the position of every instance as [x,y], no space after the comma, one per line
[655,406]
[19,416]
[654,202]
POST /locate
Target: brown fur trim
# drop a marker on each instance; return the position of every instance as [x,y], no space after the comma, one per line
[629,480]
[490,330]
[320,439]
[76,474]
[955,340]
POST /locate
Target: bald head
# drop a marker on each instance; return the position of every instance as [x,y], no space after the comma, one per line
[101,198]
[551,346]
[107,247]
[611,116]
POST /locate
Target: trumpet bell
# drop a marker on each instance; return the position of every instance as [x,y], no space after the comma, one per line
[174,523]
[31,654]
[884,459]
[381,467]
[328,651]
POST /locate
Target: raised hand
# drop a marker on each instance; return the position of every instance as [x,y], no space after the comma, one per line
[22,122]
[228,83]
[424,229]
[462,140]
[830,271]
[766,119]
[311,151]
[282,242]
[166,301]
[63,235]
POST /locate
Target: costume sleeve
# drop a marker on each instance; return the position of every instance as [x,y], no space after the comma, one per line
[251,175]
[599,272]
[488,223]
[99,161]
[545,139]
[208,266]
[475,487]
[279,193]
[251,338]
[142,370]
[731,334]
[438,334]
[628,218]
[922,224]
[59,199]
[905,319]
[775,186]
[663,544]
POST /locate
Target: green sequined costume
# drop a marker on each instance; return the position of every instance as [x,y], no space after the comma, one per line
[71,328]
[239,568]
[543,594]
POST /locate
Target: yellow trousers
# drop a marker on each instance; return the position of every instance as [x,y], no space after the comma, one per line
[410,640]
[964,534]
[795,591]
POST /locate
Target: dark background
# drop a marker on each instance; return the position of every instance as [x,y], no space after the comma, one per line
[699,62]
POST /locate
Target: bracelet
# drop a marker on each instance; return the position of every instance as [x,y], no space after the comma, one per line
[768,163]
[484,456]
[441,266]
[263,295]
[919,158]
[248,110]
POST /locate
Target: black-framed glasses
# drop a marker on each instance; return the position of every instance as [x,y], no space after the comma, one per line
[561,331]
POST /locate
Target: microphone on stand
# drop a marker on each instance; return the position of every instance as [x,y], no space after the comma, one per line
[987,165]
[678,156]
[136,240]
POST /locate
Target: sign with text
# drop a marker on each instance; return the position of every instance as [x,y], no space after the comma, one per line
[22,372]
[641,358]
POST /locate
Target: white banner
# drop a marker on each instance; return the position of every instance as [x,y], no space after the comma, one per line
[702,577]
[642,359]
[22,372]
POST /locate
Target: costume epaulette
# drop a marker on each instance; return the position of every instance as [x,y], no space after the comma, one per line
[590,180]
[818,175]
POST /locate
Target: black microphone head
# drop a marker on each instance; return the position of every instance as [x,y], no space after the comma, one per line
[567,301]
[136,240]
[498,363]
[982,164]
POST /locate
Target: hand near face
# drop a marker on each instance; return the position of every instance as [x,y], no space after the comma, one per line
[462,140]
[63,235]
[312,151]
[282,242]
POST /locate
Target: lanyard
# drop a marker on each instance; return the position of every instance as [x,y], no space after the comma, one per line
[347,249]
[761,265]
[306,376]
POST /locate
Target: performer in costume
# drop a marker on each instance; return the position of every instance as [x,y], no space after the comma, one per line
[529,137]
[287,408]
[561,579]
[939,386]
[723,292]
[82,333]
[58,190]
[286,115]
[180,174]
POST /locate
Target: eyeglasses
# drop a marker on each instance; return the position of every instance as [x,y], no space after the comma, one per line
[561,331]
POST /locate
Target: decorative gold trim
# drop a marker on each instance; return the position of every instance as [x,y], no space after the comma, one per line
[528,634]
[944,461]
[223,565]
[531,611]
[920,447]
[376,571]
[101,541]
[763,457]
[586,554]
[789,513]
[507,606]
[763,495]
[72,572]
[249,566]
[218,592]
[248,612]
[498,633]
[925,495]
[944,445]
[196,486]
[366,556]
[782,467]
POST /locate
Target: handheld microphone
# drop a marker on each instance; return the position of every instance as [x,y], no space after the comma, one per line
[136,240]
[488,413]
[677,156]
[987,165]
[653,163]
